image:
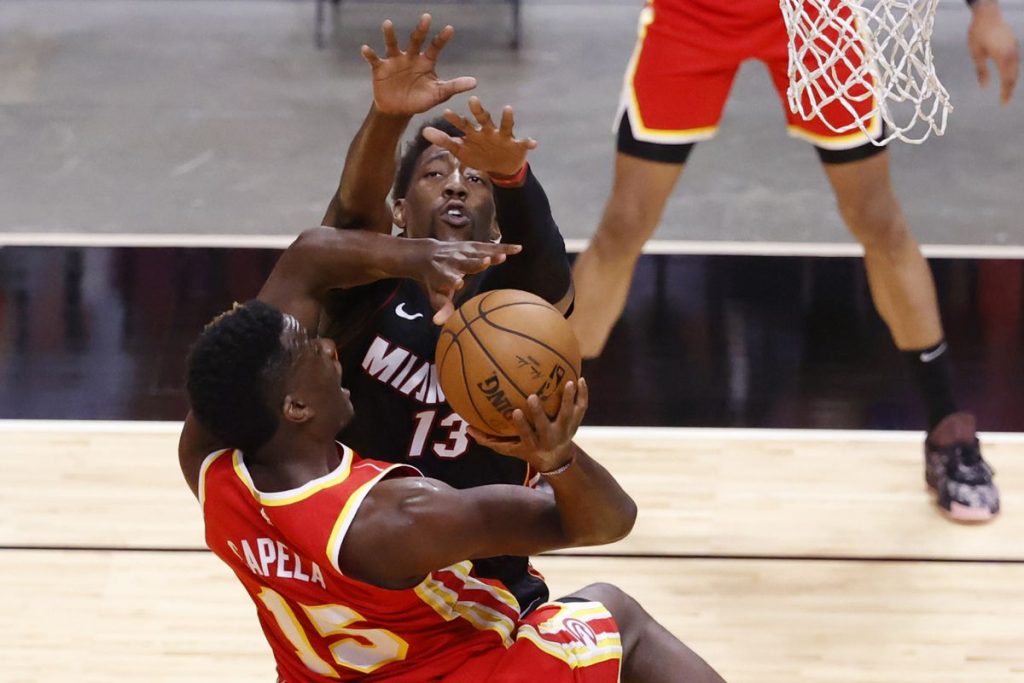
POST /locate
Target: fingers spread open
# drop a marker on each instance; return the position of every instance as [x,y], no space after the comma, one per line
[442,139]
[455,86]
[482,116]
[419,34]
[460,122]
[508,121]
[438,43]
[370,55]
[390,40]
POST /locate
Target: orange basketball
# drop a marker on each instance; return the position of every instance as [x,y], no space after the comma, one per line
[497,349]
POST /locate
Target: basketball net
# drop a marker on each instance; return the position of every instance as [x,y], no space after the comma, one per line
[845,52]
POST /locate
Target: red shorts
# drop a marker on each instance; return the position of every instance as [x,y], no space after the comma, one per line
[559,642]
[685,60]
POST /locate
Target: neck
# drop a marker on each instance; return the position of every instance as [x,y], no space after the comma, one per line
[292,458]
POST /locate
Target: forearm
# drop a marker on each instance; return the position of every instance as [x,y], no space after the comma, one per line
[524,216]
[361,198]
[592,506]
[330,259]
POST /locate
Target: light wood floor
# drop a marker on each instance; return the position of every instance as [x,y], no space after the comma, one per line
[136,599]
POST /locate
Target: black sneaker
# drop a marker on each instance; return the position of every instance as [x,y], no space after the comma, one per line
[955,470]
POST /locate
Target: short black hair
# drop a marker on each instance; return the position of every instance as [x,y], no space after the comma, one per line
[413,149]
[235,372]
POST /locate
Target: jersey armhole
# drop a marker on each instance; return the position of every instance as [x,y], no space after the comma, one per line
[351,508]
[203,468]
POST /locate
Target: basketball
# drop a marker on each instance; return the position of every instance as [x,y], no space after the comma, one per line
[497,349]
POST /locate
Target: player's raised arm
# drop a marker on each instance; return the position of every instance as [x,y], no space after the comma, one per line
[405,83]
[322,259]
[430,525]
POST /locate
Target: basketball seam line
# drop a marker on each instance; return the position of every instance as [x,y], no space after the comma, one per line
[462,362]
[497,308]
[536,341]
[483,348]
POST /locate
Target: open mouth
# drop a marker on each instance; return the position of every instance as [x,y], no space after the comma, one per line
[454,214]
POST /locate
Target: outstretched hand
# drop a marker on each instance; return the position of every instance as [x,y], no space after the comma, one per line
[545,443]
[448,265]
[990,37]
[406,82]
[489,148]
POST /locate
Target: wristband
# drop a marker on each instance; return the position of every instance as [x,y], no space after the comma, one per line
[559,470]
[514,180]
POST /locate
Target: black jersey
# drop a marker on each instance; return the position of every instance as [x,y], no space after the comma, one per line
[400,410]
[386,340]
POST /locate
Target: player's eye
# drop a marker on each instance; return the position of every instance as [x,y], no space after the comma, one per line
[432,174]
[475,179]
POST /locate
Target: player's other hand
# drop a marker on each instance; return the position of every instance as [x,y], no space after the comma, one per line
[405,82]
[447,264]
[486,147]
[990,37]
[543,442]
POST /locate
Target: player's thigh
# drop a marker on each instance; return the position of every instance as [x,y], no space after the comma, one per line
[627,612]
[677,81]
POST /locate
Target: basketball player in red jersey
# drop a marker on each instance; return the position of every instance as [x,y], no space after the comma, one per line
[360,569]
[458,180]
[676,85]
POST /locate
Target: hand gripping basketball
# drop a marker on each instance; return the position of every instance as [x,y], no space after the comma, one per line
[543,442]
[500,348]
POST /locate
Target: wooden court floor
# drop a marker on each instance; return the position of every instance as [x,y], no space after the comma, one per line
[779,556]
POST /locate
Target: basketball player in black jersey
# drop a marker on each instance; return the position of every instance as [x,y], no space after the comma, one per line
[459,186]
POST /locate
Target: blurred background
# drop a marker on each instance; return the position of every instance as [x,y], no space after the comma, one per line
[222,117]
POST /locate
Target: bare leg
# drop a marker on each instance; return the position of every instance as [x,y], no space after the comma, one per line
[900,279]
[650,654]
[603,272]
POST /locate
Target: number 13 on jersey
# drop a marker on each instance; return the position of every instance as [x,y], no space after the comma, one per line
[455,442]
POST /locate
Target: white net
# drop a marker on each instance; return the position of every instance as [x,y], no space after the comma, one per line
[853,61]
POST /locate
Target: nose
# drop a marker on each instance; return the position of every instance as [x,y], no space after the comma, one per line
[455,185]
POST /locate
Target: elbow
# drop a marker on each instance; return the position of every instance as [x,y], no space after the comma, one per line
[625,522]
[614,527]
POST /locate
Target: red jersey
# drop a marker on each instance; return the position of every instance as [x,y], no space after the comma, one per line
[324,626]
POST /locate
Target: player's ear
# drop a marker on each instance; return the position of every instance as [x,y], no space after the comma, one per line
[398,213]
[296,410]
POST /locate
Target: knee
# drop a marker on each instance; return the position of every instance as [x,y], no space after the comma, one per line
[627,612]
[625,227]
[877,223]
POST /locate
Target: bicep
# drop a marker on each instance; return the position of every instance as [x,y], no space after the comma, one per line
[407,528]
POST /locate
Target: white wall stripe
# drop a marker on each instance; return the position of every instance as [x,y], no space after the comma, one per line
[693,247]
[588,433]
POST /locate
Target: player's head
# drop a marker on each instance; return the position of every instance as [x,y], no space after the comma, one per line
[255,369]
[436,196]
